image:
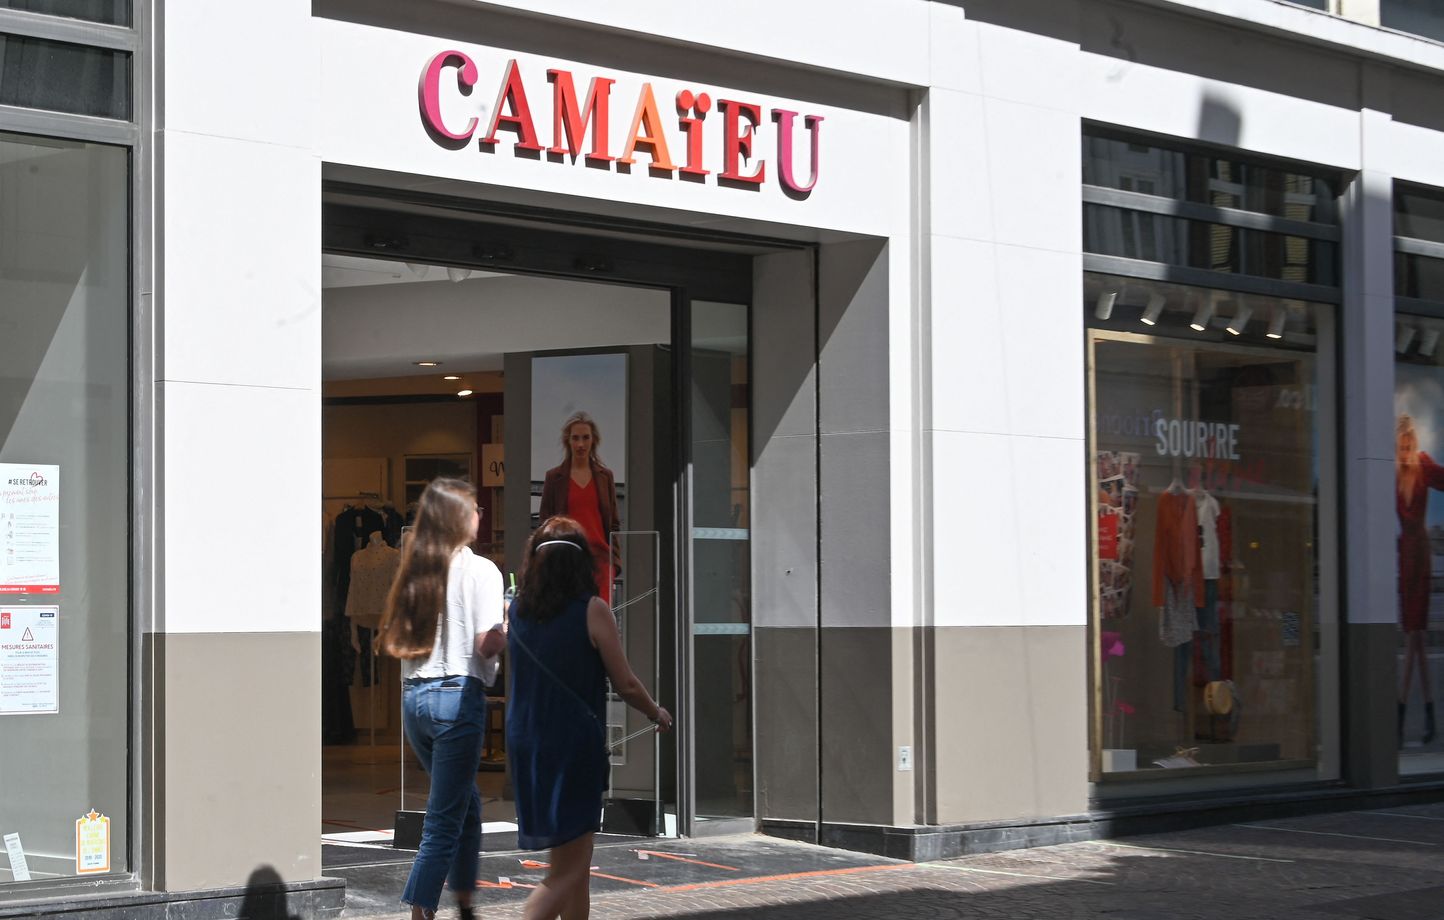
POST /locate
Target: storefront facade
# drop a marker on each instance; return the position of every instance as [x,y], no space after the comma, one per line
[1075,367]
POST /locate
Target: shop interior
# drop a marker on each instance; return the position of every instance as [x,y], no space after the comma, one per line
[433,371]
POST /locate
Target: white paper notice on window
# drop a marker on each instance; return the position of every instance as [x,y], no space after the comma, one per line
[29,659]
[19,868]
[29,528]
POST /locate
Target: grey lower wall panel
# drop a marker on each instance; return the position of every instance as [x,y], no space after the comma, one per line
[261,899]
[1009,733]
[858,689]
[233,764]
[786,714]
[1371,706]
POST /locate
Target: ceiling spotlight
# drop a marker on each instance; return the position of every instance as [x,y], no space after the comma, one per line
[1428,342]
[1404,338]
[1276,325]
[1104,308]
[1201,318]
[1153,310]
[463,392]
[451,377]
[1240,318]
[427,363]
[458,274]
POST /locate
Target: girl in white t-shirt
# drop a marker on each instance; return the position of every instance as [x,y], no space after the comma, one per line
[443,621]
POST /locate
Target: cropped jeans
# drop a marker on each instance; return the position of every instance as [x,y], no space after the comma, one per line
[443,718]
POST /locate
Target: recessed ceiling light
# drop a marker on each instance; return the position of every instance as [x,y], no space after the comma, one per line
[451,377]
[427,363]
[463,392]
[1155,308]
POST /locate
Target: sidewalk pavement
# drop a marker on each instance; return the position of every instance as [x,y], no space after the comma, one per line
[1372,865]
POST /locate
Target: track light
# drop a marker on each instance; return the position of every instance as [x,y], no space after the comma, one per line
[463,392]
[1153,310]
[1276,325]
[415,268]
[1202,316]
[1240,319]
[458,274]
[1428,342]
[1404,338]
[1104,307]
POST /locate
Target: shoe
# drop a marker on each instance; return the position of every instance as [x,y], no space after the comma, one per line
[1402,707]
[1428,722]
[465,913]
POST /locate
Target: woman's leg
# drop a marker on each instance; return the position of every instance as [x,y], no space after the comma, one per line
[462,878]
[1421,653]
[571,865]
[579,906]
[1408,665]
[455,753]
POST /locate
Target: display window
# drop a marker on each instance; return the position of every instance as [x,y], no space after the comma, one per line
[1214,634]
[1419,450]
[64,511]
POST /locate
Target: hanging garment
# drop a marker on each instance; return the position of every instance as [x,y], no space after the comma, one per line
[373,570]
[1176,550]
[1415,553]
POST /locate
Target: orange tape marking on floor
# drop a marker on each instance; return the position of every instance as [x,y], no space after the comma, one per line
[629,881]
[790,876]
[695,862]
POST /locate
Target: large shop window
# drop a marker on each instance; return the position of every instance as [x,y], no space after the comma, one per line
[64,510]
[1212,645]
[1214,615]
[1419,440]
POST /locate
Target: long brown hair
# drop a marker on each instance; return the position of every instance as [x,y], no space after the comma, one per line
[553,576]
[418,595]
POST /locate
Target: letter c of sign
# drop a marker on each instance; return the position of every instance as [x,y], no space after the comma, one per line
[429,96]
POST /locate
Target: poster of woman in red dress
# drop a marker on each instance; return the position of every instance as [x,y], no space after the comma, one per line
[1416,473]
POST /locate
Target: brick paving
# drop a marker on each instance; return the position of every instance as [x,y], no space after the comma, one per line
[1374,865]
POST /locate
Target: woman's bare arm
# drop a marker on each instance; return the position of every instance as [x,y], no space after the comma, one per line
[602,627]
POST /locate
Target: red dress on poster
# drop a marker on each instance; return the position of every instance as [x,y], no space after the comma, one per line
[583,507]
[1415,563]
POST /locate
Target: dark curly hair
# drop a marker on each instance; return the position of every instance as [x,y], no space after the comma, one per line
[553,576]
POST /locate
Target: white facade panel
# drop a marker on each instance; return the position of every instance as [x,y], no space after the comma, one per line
[243,70]
[242,284]
[976,533]
[1035,172]
[242,546]
[371,118]
[1183,105]
[968,365]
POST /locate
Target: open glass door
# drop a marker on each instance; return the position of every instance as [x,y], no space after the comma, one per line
[718,650]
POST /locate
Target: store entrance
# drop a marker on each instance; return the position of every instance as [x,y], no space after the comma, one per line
[460,346]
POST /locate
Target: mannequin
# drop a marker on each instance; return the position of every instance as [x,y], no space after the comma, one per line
[373,568]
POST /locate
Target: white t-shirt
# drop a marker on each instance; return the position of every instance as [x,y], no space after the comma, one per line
[1208,512]
[473,606]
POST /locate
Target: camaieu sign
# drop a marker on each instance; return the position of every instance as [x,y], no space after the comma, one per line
[730,145]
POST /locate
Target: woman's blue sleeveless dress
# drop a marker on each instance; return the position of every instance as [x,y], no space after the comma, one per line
[554,727]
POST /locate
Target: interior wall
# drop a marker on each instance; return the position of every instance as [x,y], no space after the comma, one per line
[394,431]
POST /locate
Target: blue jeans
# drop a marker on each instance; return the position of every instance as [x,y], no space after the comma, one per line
[443,718]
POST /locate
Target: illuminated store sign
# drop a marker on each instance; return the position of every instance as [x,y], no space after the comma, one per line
[581,127]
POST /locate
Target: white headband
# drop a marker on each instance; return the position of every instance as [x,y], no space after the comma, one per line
[557,543]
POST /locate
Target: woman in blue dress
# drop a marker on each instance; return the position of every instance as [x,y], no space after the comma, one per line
[563,646]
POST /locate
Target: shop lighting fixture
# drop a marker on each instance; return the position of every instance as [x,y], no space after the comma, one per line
[1428,342]
[458,274]
[1153,310]
[1403,338]
[1276,325]
[1202,316]
[1104,308]
[427,363]
[451,377]
[463,392]
[1240,319]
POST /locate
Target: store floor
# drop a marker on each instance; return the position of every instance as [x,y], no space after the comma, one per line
[361,790]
